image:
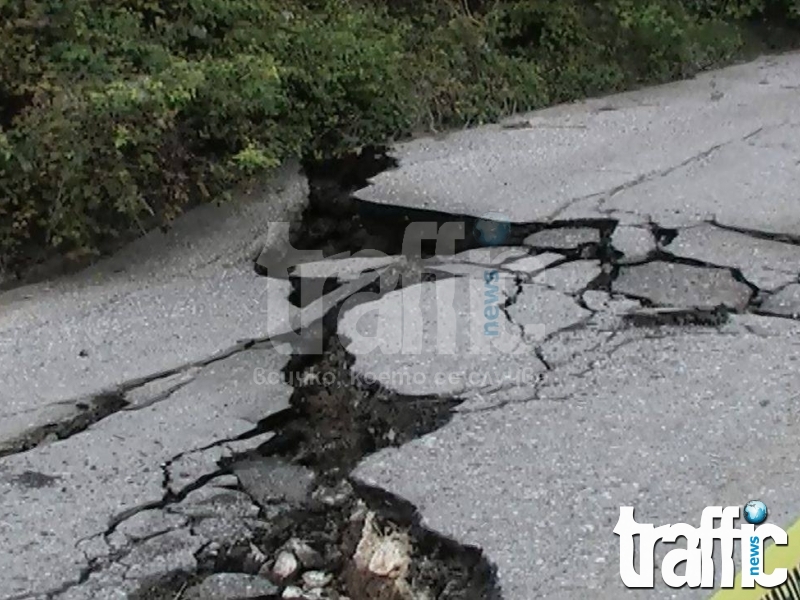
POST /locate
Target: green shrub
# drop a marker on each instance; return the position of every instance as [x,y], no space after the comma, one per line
[116,116]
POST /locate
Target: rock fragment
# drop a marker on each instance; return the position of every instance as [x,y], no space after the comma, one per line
[308,557]
[292,592]
[380,564]
[316,579]
[336,495]
[285,568]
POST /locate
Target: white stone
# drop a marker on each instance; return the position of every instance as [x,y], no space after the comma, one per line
[292,593]
[316,579]
[285,567]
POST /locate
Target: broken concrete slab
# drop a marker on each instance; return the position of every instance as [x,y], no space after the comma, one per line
[170,552]
[679,285]
[785,303]
[635,243]
[272,480]
[144,525]
[115,468]
[189,468]
[158,542]
[232,586]
[108,583]
[466,270]
[314,312]
[249,384]
[534,264]
[488,256]
[60,347]
[767,264]
[571,277]
[345,269]
[165,301]
[565,238]
[541,312]
[220,514]
[657,414]
[210,502]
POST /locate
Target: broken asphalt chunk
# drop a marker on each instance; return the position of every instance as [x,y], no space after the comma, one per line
[565,238]
[785,303]
[272,480]
[766,263]
[679,285]
[635,243]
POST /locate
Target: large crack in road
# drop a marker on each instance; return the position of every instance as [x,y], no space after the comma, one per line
[313,530]
[338,416]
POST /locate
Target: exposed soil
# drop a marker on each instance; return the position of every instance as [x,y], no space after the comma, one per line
[337,419]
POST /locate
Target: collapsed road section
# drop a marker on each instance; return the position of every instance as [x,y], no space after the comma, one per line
[325,534]
[269,506]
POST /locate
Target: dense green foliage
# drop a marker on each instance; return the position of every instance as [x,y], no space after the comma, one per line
[114,116]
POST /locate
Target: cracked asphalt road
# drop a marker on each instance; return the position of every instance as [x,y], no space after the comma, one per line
[647,326]
[669,419]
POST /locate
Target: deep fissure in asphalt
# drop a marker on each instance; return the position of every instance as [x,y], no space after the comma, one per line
[335,425]
[336,418]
